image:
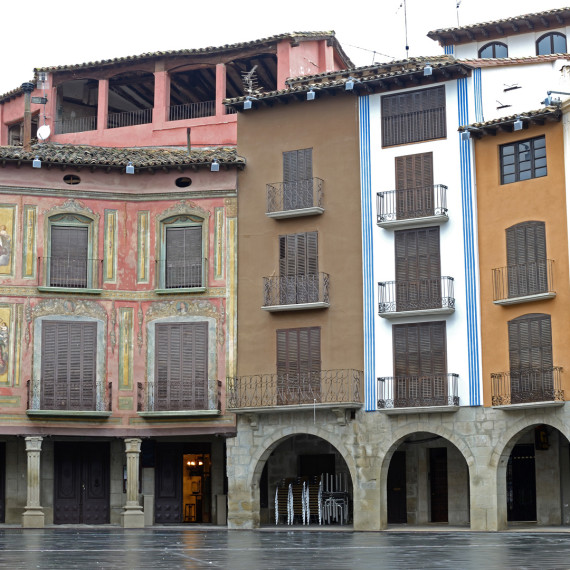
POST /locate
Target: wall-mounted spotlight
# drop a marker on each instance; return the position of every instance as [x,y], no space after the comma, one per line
[349,85]
[518,124]
[428,69]
[215,166]
[465,135]
[130,168]
[37,163]
[247,103]
[310,95]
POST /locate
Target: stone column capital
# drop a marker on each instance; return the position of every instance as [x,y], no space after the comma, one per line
[34,443]
[133,445]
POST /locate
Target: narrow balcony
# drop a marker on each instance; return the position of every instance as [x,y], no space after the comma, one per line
[68,400]
[129,118]
[174,401]
[418,394]
[71,274]
[180,276]
[523,283]
[196,110]
[296,292]
[75,125]
[416,298]
[295,199]
[528,388]
[423,206]
[282,392]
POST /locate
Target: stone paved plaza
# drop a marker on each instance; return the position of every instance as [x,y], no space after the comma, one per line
[164,548]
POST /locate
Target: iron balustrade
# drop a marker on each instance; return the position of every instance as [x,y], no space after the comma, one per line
[129,118]
[418,391]
[179,275]
[414,295]
[296,289]
[410,203]
[269,390]
[71,273]
[105,405]
[523,279]
[527,385]
[192,110]
[298,195]
[75,125]
[146,401]
[230,111]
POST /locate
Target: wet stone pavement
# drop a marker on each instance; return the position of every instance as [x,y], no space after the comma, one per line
[181,548]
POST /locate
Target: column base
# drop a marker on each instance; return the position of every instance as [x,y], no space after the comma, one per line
[33,518]
[132,518]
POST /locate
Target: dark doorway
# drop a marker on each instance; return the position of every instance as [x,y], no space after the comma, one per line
[521,484]
[2,482]
[81,483]
[438,487]
[396,489]
[183,483]
[314,465]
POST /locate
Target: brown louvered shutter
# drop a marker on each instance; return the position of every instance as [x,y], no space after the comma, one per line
[68,256]
[68,365]
[418,269]
[414,185]
[298,179]
[181,377]
[298,268]
[183,257]
[526,259]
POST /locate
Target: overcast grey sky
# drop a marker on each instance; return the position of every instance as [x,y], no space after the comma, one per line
[57,32]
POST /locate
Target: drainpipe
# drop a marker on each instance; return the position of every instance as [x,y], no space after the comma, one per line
[27,88]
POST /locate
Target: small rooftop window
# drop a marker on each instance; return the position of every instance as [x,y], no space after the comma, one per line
[552,42]
[494,49]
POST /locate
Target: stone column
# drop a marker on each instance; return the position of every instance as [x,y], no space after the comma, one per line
[33,516]
[133,516]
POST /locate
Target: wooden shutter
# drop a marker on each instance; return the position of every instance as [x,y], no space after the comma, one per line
[526,259]
[184,257]
[530,342]
[68,377]
[414,185]
[299,268]
[181,366]
[68,256]
[298,179]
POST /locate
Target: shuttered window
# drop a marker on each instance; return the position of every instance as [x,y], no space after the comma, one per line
[183,257]
[68,366]
[530,342]
[523,160]
[68,256]
[299,268]
[298,179]
[418,269]
[414,116]
[526,259]
[298,365]
[181,374]
[414,185]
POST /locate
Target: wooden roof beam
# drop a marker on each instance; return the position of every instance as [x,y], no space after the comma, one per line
[500,30]
[515,27]
[484,32]
[490,131]
[529,24]
[559,19]
[544,21]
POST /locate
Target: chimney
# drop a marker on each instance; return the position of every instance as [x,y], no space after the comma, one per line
[27,88]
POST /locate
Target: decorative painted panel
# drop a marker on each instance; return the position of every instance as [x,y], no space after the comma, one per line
[7,229]
[143,222]
[29,251]
[6,344]
[219,244]
[231,309]
[126,321]
[110,256]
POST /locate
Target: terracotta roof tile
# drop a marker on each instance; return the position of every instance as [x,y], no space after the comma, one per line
[552,112]
[498,62]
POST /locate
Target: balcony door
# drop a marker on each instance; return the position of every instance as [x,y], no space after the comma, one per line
[420,364]
[526,259]
[530,358]
[298,268]
[181,376]
[68,256]
[2,482]
[414,186]
[298,366]
[183,257]
[418,269]
[298,179]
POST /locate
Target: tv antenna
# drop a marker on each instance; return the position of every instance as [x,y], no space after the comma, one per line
[249,79]
[457,4]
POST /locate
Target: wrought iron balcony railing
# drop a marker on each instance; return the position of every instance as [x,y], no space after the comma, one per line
[70,273]
[192,110]
[523,280]
[129,118]
[72,401]
[269,390]
[418,391]
[415,295]
[422,202]
[75,125]
[153,401]
[179,275]
[525,386]
[298,195]
[296,289]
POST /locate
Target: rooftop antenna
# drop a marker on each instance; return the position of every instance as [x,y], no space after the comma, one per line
[406,27]
[457,4]
[249,80]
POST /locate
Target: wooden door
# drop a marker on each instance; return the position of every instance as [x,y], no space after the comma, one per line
[168,483]
[414,186]
[2,482]
[298,268]
[298,179]
[396,489]
[81,483]
[521,484]
[438,484]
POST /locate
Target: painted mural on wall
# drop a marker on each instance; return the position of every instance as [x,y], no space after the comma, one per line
[4,343]
[7,218]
